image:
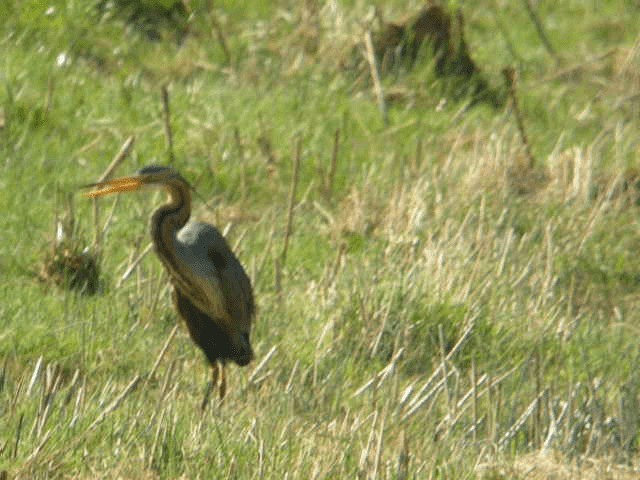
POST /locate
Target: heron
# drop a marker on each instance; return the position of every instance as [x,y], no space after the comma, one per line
[211,290]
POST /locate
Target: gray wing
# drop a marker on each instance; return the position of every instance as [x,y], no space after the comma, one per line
[209,255]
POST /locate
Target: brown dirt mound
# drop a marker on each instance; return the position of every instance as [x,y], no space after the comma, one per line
[433,34]
[432,29]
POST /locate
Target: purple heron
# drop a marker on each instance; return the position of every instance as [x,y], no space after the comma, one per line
[211,291]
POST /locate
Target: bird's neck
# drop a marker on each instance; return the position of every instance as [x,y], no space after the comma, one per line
[167,221]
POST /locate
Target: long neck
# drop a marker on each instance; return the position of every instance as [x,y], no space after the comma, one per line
[165,224]
[167,221]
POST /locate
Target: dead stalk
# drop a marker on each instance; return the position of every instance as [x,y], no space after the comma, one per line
[107,222]
[40,446]
[124,151]
[217,28]
[154,445]
[133,264]
[538,416]
[510,78]
[443,357]
[294,370]
[535,19]
[243,169]
[511,432]
[292,201]
[168,133]
[375,76]
[262,364]
[18,434]
[115,403]
[333,165]
[261,262]
[419,402]
[417,158]
[277,275]
[35,375]
[48,99]
[164,349]
[332,274]
[474,380]
[402,472]
[379,446]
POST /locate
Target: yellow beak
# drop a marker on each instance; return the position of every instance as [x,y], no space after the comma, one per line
[124,184]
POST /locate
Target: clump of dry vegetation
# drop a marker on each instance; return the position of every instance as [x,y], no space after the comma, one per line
[69,262]
[71,265]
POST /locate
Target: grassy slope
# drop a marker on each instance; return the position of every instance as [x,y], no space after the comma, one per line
[444,236]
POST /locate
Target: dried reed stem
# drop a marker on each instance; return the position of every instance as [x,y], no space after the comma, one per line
[505,35]
[166,111]
[124,151]
[277,275]
[474,380]
[445,373]
[217,28]
[115,403]
[334,161]
[49,96]
[292,200]
[535,19]
[156,437]
[375,76]
[510,78]
[402,472]
[268,253]
[40,446]
[16,443]
[110,215]
[332,274]
[515,428]
[262,364]
[164,349]
[243,170]
[132,265]
[538,417]
[294,370]
[379,447]
[35,374]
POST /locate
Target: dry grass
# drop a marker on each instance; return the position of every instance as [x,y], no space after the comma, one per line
[447,308]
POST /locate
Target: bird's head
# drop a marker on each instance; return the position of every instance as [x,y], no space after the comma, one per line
[152,175]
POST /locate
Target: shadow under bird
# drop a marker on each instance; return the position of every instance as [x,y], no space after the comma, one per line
[211,291]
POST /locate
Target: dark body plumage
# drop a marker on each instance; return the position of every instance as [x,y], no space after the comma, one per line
[205,329]
[213,340]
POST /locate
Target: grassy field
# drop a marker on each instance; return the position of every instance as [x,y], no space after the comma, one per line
[449,306]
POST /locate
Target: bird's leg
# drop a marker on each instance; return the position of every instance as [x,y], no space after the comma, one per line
[215,373]
[223,382]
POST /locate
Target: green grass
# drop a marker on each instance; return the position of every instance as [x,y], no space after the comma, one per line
[437,262]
